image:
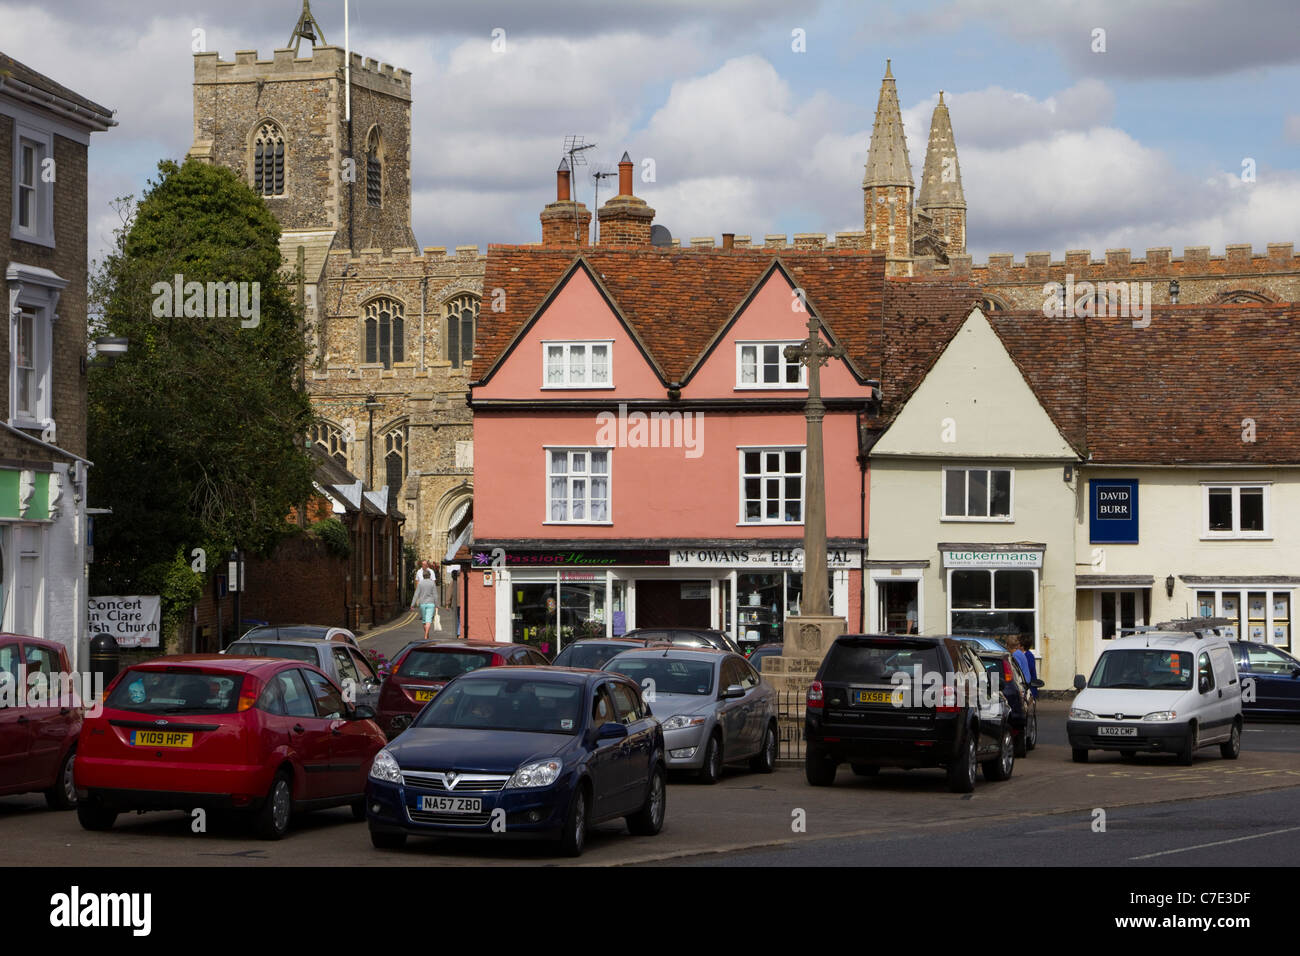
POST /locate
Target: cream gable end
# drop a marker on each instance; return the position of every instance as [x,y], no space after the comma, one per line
[974,403]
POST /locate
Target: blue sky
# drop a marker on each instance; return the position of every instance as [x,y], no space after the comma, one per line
[1060,146]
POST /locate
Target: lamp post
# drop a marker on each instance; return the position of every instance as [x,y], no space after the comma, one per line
[372,403]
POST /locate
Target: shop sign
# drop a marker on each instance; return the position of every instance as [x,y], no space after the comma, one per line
[787,558]
[977,558]
[1113,514]
[644,557]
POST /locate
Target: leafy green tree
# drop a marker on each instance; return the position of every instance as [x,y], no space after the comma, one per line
[196,433]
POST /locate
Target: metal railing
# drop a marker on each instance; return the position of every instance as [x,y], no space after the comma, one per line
[789,724]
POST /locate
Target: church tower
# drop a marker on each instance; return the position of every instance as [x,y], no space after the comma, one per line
[887,185]
[327,144]
[941,199]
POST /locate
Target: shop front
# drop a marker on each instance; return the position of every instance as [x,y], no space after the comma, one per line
[550,598]
[994,590]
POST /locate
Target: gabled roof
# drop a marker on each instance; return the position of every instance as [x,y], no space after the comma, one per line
[676,302]
[53,95]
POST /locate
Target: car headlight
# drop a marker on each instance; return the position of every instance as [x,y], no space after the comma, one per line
[541,773]
[1162,715]
[678,721]
[1077,713]
[385,768]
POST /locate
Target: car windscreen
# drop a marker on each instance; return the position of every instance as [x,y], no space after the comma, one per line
[588,655]
[670,675]
[432,664]
[507,703]
[303,632]
[1143,668]
[289,652]
[176,692]
[877,663]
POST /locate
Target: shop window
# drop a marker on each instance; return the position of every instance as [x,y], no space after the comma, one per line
[1236,511]
[1260,616]
[577,364]
[982,494]
[764,365]
[578,482]
[997,602]
[771,485]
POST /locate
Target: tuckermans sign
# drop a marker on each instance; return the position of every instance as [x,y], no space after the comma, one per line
[992,559]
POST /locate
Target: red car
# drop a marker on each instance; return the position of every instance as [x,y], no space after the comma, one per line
[421,670]
[38,731]
[222,732]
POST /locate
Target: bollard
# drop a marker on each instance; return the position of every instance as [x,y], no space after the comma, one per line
[105,658]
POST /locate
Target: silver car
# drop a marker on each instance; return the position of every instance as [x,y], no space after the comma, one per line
[344,663]
[715,709]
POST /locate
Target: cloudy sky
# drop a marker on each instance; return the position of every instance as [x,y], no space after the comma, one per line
[1061,146]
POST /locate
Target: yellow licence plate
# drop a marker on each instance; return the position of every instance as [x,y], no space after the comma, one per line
[161,738]
[423,695]
[873,696]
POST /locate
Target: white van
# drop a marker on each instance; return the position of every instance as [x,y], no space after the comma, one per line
[1172,688]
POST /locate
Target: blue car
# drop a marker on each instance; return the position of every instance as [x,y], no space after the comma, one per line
[1270,680]
[525,753]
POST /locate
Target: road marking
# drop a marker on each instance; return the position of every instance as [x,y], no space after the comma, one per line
[386,629]
[1202,846]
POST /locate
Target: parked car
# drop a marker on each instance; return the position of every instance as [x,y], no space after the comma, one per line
[1172,689]
[857,714]
[761,651]
[715,709]
[1274,677]
[344,664]
[38,736]
[424,669]
[981,642]
[593,652]
[301,632]
[685,637]
[1016,687]
[555,750]
[224,732]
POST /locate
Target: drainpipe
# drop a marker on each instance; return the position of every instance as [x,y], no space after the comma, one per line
[862,526]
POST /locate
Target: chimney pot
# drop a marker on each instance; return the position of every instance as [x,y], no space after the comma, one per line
[562,181]
[728,240]
[625,175]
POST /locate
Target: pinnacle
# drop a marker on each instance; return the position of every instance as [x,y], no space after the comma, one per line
[887,161]
[941,176]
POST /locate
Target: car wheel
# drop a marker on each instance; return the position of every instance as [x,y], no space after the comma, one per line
[1031,731]
[359,809]
[63,795]
[1000,768]
[94,816]
[865,769]
[961,772]
[765,760]
[1232,747]
[818,768]
[711,772]
[381,840]
[574,837]
[272,819]
[649,820]
[1079,754]
[1019,742]
[1188,750]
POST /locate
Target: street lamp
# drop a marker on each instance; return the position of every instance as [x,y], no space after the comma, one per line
[372,403]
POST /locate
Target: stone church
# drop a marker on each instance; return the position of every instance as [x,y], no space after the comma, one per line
[327,143]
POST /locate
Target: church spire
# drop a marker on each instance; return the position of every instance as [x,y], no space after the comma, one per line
[887,185]
[887,161]
[941,194]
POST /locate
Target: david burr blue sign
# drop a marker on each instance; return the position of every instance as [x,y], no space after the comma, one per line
[1114,511]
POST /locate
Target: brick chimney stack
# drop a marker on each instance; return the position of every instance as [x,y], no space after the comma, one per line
[625,220]
[565,222]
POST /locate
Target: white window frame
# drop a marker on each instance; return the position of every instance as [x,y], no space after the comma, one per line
[41,232]
[36,291]
[567,346]
[1037,609]
[1236,532]
[742,450]
[1008,518]
[548,450]
[758,344]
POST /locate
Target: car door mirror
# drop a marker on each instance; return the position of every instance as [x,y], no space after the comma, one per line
[1080,682]
[362,712]
[611,731]
[1203,684]
[1295,671]
[732,692]
[1038,682]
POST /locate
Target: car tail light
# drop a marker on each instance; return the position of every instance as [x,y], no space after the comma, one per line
[816,699]
[249,691]
[1006,672]
[949,705]
[497,661]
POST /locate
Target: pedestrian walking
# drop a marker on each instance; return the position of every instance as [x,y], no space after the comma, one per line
[425,597]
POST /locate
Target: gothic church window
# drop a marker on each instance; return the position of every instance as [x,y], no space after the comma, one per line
[462,314]
[268,160]
[385,332]
[395,459]
[374,169]
[330,437]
